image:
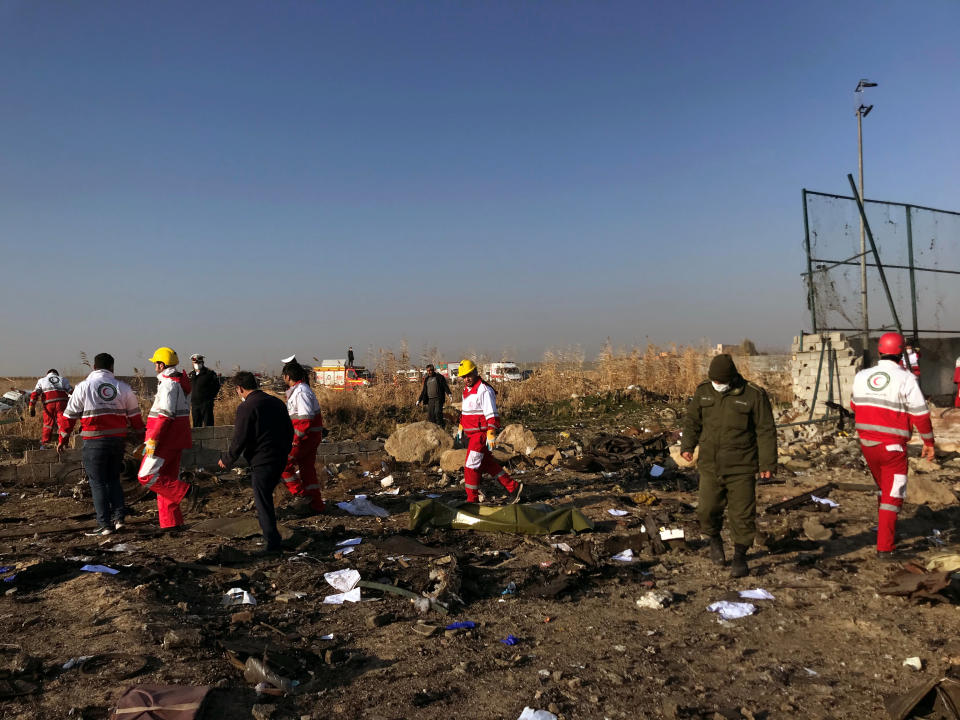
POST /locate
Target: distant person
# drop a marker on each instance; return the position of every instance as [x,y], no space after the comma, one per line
[956,381]
[888,406]
[911,353]
[206,385]
[263,434]
[53,392]
[732,421]
[433,394]
[479,421]
[106,409]
[300,473]
[168,435]
[350,356]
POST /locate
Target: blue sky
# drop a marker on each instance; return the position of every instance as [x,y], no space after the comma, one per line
[250,179]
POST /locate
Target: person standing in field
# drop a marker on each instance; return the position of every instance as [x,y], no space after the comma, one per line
[433,394]
[168,435]
[479,421]
[53,392]
[300,473]
[888,406]
[107,410]
[732,421]
[205,385]
[263,434]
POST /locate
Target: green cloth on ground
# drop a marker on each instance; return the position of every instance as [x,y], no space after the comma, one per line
[536,519]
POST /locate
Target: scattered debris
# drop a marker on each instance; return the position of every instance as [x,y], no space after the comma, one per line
[655,599]
[729,610]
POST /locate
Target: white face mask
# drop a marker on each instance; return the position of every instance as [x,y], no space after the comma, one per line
[196,366]
[720,387]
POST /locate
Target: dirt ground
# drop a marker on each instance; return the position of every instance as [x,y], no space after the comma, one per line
[827,646]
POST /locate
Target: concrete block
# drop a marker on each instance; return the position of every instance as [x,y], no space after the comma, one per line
[35,472]
[8,473]
[223,431]
[348,448]
[71,456]
[218,444]
[41,456]
[204,433]
[372,446]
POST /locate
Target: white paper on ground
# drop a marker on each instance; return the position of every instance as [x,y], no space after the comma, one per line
[756,594]
[656,471]
[345,551]
[361,506]
[349,541]
[530,714]
[671,533]
[387,481]
[625,556]
[732,610]
[618,513]
[561,546]
[393,491]
[341,598]
[238,596]
[343,580]
[825,501]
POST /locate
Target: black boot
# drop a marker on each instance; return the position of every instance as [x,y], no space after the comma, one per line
[738,568]
[716,551]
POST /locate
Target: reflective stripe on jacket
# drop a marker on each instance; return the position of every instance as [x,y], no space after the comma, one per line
[304,412]
[887,404]
[51,389]
[105,407]
[478,413]
[169,419]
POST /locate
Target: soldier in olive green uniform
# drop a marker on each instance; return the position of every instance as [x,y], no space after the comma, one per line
[732,421]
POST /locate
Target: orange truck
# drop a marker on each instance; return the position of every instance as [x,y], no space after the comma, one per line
[335,374]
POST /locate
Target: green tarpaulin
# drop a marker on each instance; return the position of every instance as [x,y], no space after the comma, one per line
[536,519]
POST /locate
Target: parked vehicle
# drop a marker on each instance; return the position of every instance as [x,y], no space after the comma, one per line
[335,374]
[502,372]
[409,375]
[448,370]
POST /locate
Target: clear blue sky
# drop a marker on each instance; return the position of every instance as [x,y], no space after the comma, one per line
[250,179]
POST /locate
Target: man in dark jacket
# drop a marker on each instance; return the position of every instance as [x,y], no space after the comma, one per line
[433,393]
[263,434]
[206,385]
[732,421]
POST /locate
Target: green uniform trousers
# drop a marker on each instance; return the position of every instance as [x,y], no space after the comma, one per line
[736,493]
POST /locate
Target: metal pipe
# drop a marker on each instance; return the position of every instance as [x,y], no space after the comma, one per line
[883,202]
[863,249]
[816,385]
[892,267]
[811,296]
[913,279]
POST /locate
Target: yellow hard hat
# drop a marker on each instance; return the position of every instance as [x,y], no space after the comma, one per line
[165,355]
[466,367]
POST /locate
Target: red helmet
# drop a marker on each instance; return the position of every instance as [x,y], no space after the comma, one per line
[891,343]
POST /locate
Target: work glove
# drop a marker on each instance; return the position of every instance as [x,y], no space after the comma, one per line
[149,447]
[491,439]
[33,411]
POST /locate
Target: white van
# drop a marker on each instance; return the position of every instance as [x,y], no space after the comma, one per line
[502,372]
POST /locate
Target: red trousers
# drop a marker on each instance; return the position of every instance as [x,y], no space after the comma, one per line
[164,479]
[304,458]
[479,461]
[51,420]
[956,398]
[888,464]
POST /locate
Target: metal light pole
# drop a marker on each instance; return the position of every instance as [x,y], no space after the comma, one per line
[862,111]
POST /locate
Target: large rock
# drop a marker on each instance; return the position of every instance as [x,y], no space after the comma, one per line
[419,442]
[452,460]
[522,441]
[922,465]
[923,490]
[544,452]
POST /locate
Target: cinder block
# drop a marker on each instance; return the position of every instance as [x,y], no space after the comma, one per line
[71,456]
[223,431]
[41,456]
[204,433]
[372,446]
[348,448]
[35,472]
[218,444]
[8,473]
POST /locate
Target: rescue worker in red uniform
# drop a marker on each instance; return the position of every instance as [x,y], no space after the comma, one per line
[887,406]
[168,435]
[956,380]
[106,409]
[479,421]
[53,392]
[300,474]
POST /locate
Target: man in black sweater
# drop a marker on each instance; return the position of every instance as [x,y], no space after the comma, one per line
[205,385]
[433,393]
[263,434]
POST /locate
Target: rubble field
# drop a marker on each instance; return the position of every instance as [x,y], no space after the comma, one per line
[611,622]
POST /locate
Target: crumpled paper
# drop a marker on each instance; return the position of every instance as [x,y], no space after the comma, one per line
[756,594]
[343,580]
[732,610]
[361,506]
[238,596]
[341,598]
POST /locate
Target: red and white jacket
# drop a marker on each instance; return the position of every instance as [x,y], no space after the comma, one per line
[105,407]
[51,389]
[914,358]
[956,372]
[304,413]
[168,423]
[478,413]
[888,405]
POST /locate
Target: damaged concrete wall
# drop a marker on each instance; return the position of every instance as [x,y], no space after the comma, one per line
[43,466]
[807,351]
